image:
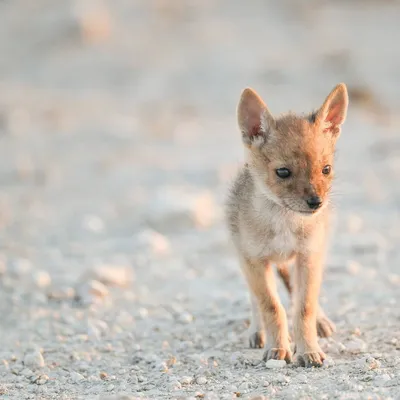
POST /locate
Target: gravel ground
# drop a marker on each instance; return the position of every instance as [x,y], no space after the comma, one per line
[118,142]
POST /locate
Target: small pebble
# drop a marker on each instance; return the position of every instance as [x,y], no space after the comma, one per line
[272,364]
[62,293]
[369,363]
[91,289]
[76,377]
[103,375]
[201,380]
[34,360]
[143,312]
[186,380]
[42,279]
[353,267]
[110,387]
[356,345]
[93,223]
[186,318]
[337,347]
[163,367]
[354,223]
[42,379]
[357,331]
[158,243]
[175,385]
[112,275]
[329,362]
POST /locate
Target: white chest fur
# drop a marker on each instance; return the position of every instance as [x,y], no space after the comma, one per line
[270,234]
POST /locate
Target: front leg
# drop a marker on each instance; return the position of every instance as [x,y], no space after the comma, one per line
[325,327]
[261,281]
[308,275]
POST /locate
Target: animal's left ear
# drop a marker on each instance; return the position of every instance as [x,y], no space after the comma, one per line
[333,112]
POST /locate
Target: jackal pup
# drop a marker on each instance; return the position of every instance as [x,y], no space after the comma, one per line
[278,211]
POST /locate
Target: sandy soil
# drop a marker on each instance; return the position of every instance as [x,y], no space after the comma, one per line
[118,142]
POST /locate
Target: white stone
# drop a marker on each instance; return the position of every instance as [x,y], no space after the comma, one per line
[143,312]
[368,363]
[34,360]
[356,345]
[110,387]
[112,275]
[186,380]
[76,377]
[354,223]
[93,223]
[91,292]
[273,364]
[61,293]
[353,267]
[185,318]
[41,379]
[42,279]
[175,385]
[157,242]
[201,380]
[96,288]
[328,362]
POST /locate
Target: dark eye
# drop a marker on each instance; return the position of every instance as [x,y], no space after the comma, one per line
[326,170]
[283,173]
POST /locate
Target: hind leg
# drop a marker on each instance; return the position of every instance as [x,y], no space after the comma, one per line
[256,329]
[325,327]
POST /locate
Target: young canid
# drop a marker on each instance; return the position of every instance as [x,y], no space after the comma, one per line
[278,211]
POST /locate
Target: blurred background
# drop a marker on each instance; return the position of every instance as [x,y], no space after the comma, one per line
[118,141]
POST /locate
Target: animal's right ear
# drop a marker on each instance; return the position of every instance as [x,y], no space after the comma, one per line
[254,118]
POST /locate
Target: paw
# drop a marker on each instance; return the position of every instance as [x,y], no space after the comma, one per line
[311,359]
[257,340]
[278,353]
[325,327]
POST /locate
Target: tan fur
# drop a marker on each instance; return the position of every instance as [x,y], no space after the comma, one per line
[270,220]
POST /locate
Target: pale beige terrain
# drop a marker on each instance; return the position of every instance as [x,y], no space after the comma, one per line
[118,143]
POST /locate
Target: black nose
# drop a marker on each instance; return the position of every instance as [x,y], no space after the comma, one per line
[314,202]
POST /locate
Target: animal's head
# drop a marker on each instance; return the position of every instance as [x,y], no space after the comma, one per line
[291,156]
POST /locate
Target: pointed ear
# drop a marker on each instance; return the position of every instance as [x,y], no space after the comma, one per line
[333,112]
[254,118]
